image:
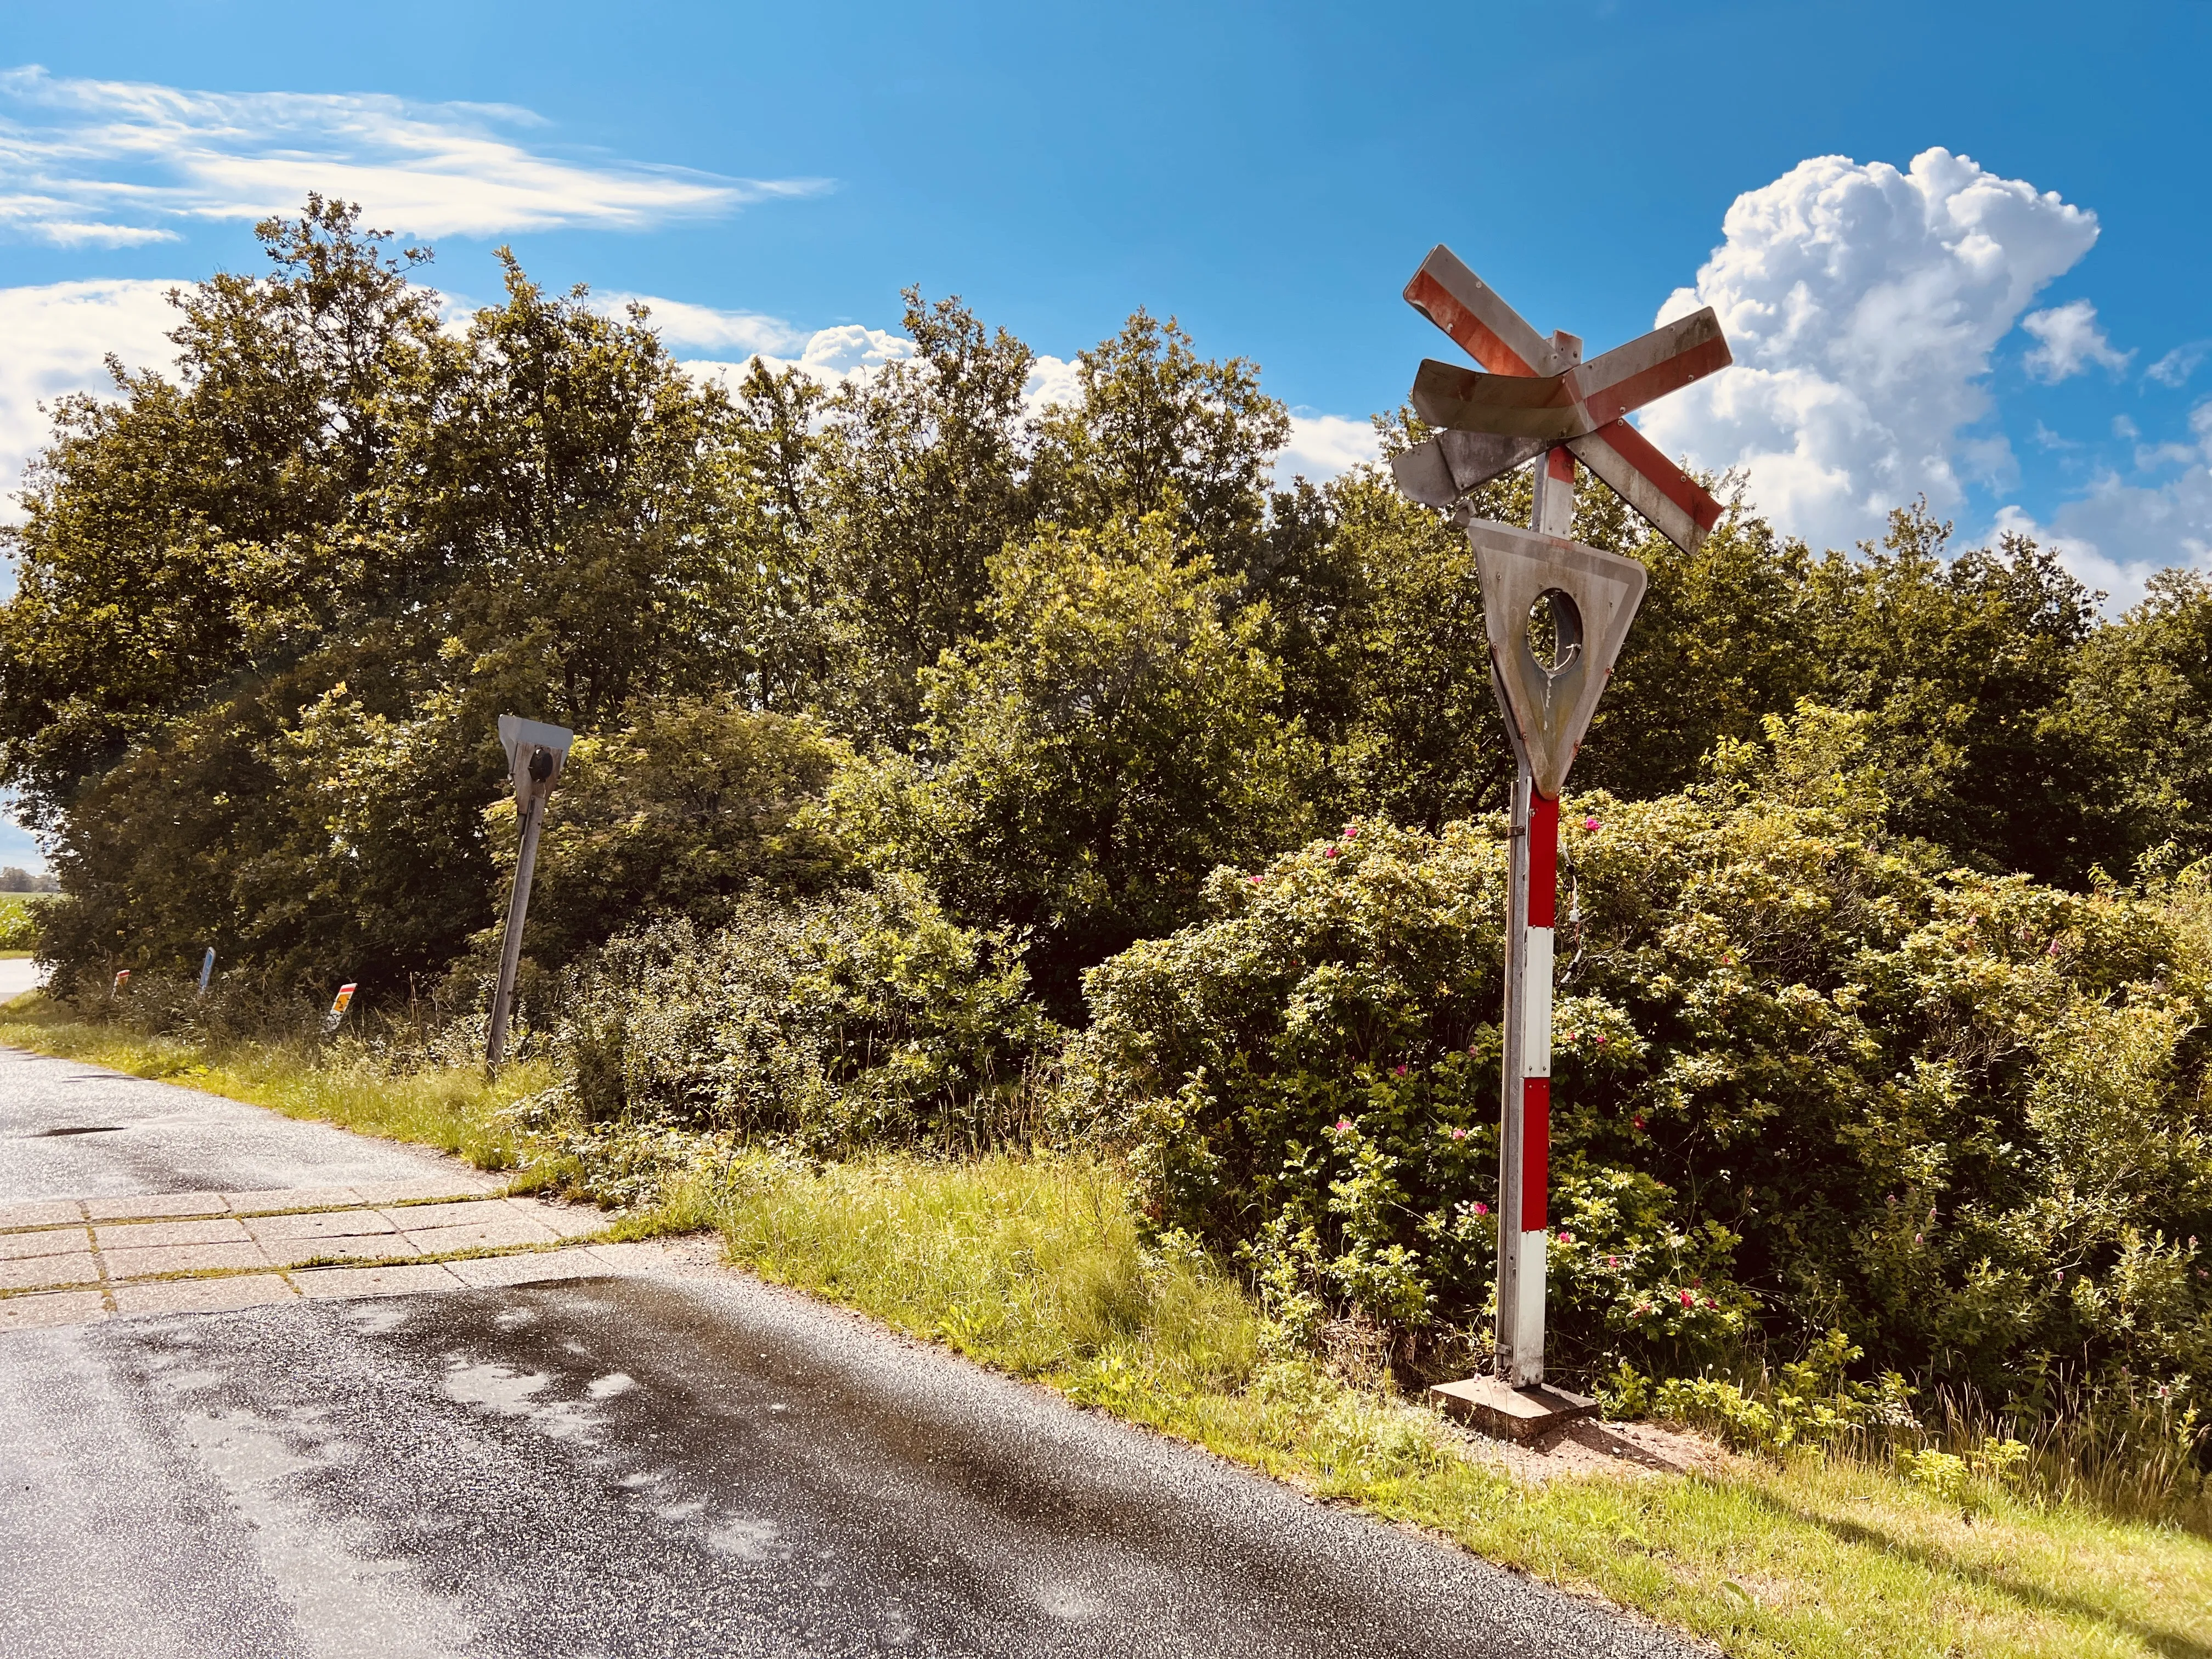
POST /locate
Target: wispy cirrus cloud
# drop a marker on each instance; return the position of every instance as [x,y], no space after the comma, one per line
[115,163]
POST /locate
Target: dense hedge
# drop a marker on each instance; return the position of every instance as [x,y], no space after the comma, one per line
[1804,1078]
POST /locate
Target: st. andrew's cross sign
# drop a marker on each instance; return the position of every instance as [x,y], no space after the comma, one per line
[1534,398]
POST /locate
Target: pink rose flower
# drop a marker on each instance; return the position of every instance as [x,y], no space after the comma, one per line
[1589,824]
[1480,1208]
[1689,1301]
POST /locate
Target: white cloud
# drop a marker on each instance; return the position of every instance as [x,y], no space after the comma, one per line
[1862,304]
[2068,340]
[2179,364]
[1323,445]
[1052,380]
[117,163]
[830,356]
[58,337]
[679,322]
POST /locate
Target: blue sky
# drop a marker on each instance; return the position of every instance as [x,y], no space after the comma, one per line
[2017,323]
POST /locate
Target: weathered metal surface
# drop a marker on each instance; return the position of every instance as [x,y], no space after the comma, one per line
[1669,358]
[1516,406]
[1674,503]
[1548,709]
[1439,471]
[1531,389]
[535,755]
[1575,400]
[1469,309]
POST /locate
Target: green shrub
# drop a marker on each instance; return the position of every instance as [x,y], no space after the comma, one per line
[865,1017]
[1804,1078]
[19,923]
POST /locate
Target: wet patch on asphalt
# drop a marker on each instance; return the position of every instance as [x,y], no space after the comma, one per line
[643,1466]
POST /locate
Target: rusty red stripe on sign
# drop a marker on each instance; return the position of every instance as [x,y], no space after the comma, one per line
[1676,485]
[1535,1151]
[1427,296]
[1669,374]
[1543,852]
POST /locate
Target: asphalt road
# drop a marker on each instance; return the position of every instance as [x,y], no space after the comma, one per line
[69,1130]
[660,1465]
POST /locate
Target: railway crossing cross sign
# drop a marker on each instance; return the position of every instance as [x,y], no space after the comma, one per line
[1556,613]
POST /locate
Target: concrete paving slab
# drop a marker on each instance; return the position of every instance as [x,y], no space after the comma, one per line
[145,1234]
[23,1313]
[487,1236]
[320,1224]
[289,1252]
[568,1220]
[41,1213]
[535,1267]
[47,1241]
[644,1256]
[408,1218]
[204,1295]
[182,1259]
[40,1272]
[406,1279]
[156,1208]
[456,1186]
[294,1198]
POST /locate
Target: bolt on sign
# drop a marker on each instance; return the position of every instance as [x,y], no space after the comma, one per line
[1556,613]
[535,754]
[339,1004]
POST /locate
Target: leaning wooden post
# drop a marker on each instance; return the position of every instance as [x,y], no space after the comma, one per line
[535,754]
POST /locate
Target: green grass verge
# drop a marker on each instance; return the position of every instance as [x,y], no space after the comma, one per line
[1033,1264]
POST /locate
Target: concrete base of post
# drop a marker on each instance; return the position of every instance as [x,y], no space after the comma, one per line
[1503,1411]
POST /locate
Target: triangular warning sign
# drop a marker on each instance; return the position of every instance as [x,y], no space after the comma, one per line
[1548,706]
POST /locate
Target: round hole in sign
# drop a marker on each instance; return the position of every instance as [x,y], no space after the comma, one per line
[1555,632]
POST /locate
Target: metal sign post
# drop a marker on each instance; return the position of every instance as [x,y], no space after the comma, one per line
[535,755]
[1556,613]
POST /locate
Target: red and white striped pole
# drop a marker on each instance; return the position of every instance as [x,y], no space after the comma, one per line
[1525,1149]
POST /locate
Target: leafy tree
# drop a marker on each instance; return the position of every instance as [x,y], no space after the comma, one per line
[1111,740]
[684,809]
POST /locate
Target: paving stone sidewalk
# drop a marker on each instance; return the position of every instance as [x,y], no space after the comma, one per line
[71,1261]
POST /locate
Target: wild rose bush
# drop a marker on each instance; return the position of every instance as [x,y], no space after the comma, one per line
[1805,1078]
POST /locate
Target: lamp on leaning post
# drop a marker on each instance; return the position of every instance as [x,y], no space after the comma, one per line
[1556,613]
[535,755]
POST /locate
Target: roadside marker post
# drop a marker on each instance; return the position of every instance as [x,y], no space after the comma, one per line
[1556,613]
[207,969]
[535,754]
[122,978]
[339,1004]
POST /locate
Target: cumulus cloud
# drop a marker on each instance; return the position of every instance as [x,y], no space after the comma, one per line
[58,337]
[2068,342]
[1862,304]
[1323,445]
[828,356]
[112,163]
